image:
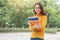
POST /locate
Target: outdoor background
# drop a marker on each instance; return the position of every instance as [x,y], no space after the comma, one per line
[14,14]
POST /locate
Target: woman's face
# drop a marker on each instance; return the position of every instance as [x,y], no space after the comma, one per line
[37,8]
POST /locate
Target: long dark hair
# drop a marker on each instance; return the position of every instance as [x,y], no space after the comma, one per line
[41,7]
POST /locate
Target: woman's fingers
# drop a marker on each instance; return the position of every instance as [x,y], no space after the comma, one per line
[37,26]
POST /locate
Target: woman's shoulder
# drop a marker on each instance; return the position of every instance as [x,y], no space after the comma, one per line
[44,16]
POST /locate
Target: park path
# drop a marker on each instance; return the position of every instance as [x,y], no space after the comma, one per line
[26,36]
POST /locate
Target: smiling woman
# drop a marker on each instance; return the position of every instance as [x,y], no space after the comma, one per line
[38,29]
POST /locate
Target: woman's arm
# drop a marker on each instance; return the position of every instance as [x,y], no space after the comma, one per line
[43,24]
[32,28]
[40,27]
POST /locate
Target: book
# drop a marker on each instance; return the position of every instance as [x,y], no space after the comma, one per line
[33,20]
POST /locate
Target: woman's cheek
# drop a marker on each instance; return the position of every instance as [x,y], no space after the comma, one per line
[38,11]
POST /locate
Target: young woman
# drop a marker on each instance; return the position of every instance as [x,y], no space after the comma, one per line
[38,33]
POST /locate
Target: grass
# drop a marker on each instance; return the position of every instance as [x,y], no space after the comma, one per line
[50,30]
[58,29]
[13,30]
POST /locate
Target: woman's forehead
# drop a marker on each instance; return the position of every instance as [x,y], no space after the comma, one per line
[37,5]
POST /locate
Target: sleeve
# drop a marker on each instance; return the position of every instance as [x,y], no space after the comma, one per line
[43,24]
[31,27]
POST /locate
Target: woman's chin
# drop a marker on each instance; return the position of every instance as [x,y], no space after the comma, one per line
[38,12]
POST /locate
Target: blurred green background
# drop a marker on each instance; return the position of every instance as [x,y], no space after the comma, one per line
[14,13]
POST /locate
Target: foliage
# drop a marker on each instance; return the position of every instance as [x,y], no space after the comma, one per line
[14,13]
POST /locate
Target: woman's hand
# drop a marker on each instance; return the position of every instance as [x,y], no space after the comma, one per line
[36,26]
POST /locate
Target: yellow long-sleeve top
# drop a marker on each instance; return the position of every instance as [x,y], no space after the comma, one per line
[39,33]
